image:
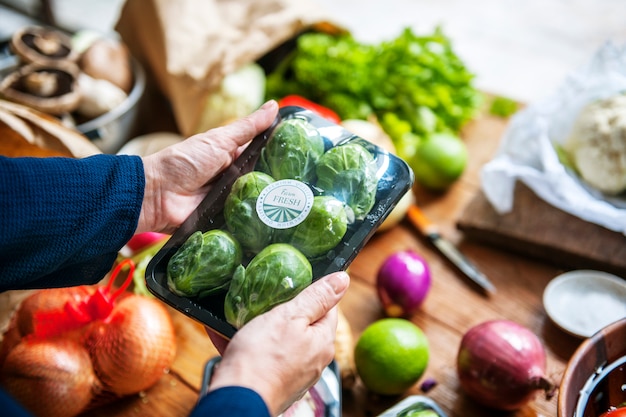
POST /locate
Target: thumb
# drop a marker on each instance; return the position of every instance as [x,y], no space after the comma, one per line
[316,300]
[242,130]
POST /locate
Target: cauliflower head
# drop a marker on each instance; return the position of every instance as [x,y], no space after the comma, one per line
[597,144]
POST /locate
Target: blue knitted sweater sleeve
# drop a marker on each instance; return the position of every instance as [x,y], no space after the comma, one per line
[63,220]
[223,402]
[231,402]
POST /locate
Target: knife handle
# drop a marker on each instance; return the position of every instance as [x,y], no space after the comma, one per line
[419,220]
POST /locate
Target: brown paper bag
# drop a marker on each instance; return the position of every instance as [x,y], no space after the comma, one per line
[28,132]
[189,46]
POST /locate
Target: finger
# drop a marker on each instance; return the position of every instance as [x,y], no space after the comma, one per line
[243,130]
[315,301]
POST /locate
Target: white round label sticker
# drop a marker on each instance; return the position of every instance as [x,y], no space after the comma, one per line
[284,203]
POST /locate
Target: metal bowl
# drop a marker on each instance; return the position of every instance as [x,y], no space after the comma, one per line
[113,129]
[110,131]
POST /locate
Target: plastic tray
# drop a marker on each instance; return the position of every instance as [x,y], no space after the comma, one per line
[395,178]
[412,405]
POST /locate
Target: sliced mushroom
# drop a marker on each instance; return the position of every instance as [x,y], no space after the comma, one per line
[49,88]
[36,44]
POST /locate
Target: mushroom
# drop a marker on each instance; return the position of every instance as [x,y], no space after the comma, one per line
[49,88]
[108,59]
[98,96]
[36,44]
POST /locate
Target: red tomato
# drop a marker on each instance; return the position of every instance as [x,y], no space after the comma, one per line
[618,412]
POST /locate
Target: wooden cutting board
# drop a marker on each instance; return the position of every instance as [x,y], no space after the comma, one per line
[538,229]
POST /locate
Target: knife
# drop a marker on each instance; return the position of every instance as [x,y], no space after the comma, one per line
[451,252]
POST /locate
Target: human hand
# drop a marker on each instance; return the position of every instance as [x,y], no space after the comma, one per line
[281,354]
[178,177]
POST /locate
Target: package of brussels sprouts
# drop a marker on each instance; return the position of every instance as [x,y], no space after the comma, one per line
[299,203]
[414,406]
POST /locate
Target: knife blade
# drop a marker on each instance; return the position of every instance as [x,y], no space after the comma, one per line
[451,252]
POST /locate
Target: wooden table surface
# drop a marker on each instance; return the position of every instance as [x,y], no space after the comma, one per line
[451,308]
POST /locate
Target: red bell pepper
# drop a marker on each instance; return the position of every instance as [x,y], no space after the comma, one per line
[618,412]
[296,100]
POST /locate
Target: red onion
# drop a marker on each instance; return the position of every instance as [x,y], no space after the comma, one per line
[403,281]
[310,405]
[502,364]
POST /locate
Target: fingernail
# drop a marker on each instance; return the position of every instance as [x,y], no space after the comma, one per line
[268,104]
[339,281]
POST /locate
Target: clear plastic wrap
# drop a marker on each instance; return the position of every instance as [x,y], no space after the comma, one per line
[414,406]
[300,202]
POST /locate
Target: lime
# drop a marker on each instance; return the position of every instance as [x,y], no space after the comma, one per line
[391,355]
[439,160]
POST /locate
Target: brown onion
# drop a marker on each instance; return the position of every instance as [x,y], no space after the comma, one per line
[23,320]
[47,300]
[51,378]
[134,346]
[118,345]
[501,364]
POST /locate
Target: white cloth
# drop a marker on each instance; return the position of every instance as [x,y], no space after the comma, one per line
[527,151]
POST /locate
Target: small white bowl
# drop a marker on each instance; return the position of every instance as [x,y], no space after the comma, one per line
[584,301]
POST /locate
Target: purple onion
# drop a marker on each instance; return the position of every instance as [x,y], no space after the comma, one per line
[403,281]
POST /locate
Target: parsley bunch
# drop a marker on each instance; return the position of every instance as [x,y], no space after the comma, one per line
[414,85]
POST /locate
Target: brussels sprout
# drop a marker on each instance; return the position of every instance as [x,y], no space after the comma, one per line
[292,151]
[348,172]
[240,213]
[322,230]
[204,264]
[275,275]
